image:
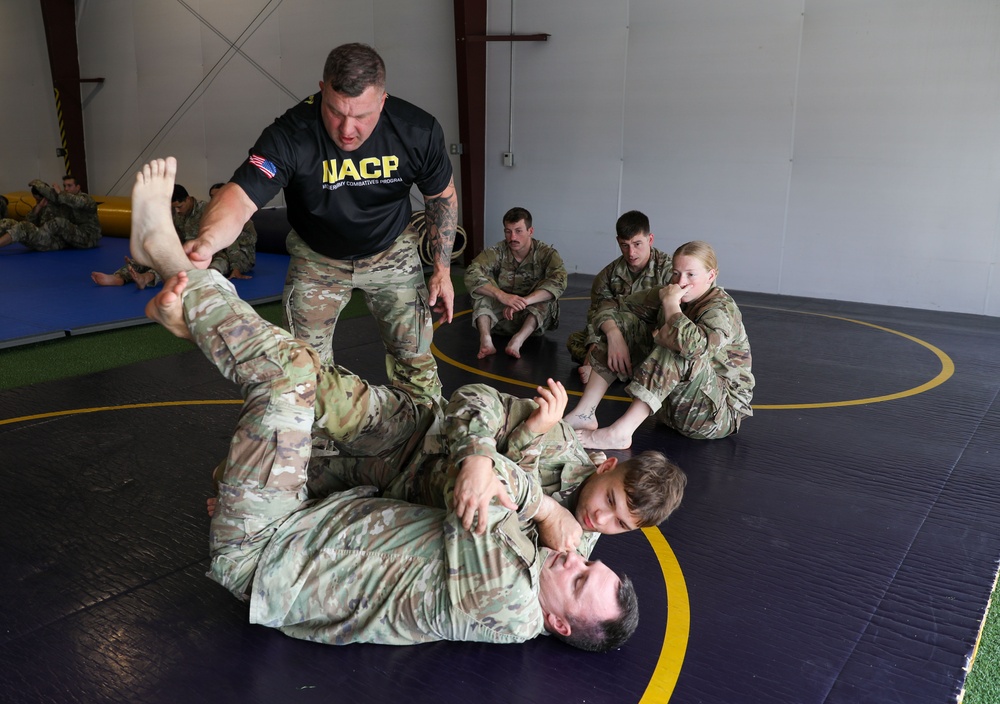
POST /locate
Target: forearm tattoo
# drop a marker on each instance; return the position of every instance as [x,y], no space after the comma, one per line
[441,214]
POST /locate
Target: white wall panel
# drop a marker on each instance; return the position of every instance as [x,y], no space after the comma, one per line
[896,180]
[565,132]
[708,128]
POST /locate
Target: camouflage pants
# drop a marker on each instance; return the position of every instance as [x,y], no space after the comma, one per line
[57,233]
[577,345]
[686,395]
[546,315]
[317,288]
[232,258]
[633,328]
[288,397]
[125,275]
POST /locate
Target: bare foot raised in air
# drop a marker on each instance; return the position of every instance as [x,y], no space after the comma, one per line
[154,242]
[166,307]
[604,439]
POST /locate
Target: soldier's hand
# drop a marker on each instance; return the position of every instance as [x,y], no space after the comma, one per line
[619,358]
[552,400]
[199,252]
[557,527]
[475,487]
[441,295]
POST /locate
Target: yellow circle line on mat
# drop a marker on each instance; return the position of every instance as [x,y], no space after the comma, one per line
[947,368]
[675,639]
[125,407]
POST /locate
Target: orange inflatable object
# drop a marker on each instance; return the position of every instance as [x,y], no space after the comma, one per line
[113,212]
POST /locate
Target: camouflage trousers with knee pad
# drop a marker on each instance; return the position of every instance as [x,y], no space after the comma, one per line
[288,398]
[317,288]
[57,233]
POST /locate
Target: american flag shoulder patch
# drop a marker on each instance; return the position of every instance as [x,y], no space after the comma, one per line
[266,166]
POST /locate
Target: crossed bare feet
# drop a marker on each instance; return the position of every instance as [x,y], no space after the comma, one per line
[141,279]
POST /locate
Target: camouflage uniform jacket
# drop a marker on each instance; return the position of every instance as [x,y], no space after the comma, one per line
[396,573]
[710,327]
[541,270]
[187,226]
[616,280]
[79,208]
[479,420]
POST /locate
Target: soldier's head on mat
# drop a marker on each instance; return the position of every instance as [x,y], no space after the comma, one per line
[636,493]
[352,94]
[517,231]
[585,603]
[634,239]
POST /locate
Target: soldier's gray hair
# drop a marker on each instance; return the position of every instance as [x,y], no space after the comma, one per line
[601,636]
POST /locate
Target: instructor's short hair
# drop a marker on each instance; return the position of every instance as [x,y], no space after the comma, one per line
[352,68]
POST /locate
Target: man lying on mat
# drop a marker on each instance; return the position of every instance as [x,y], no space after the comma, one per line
[353,567]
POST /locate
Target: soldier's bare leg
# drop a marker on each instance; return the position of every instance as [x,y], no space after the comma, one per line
[514,346]
[618,435]
[486,348]
[584,414]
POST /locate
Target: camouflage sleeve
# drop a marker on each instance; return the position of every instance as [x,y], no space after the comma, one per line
[43,189]
[475,418]
[77,201]
[713,329]
[553,275]
[479,420]
[483,270]
[645,305]
[600,291]
[248,236]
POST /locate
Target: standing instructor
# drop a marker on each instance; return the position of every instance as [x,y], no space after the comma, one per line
[346,158]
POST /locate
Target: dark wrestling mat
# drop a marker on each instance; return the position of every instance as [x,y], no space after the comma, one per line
[841,548]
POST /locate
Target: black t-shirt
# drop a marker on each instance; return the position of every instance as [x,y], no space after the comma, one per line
[347,205]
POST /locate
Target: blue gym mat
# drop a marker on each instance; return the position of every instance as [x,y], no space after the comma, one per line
[47,295]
